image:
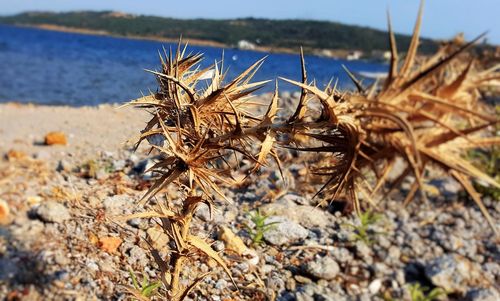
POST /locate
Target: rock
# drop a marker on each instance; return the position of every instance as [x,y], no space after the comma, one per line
[297,199]
[52,212]
[394,253]
[374,286]
[134,222]
[106,265]
[275,282]
[119,165]
[302,279]
[453,273]
[323,268]
[364,251]
[4,212]
[137,255]
[109,244]
[116,204]
[284,232]
[15,155]
[8,269]
[341,255]
[143,166]
[25,230]
[448,186]
[232,241]
[158,238]
[203,213]
[53,138]
[483,294]
[306,216]
[63,165]
[221,284]
[218,246]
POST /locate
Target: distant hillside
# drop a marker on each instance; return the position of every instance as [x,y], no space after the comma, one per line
[272,34]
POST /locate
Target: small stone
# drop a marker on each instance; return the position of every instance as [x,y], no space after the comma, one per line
[232,241]
[53,138]
[374,286]
[218,246]
[52,212]
[275,283]
[61,258]
[453,273]
[299,200]
[92,266]
[143,166]
[394,253]
[109,244]
[302,279]
[134,222]
[137,256]
[483,294]
[284,232]
[116,204]
[323,268]
[107,265]
[4,212]
[306,216]
[63,165]
[221,284]
[15,155]
[119,165]
[341,255]
[158,238]
[364,252]
[8,269]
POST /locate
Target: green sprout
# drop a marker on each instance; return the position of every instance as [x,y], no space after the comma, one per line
[422,293]
[260,226]
[361,232]
[145,290]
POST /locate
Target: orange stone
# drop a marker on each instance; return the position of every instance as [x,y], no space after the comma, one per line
[14,155]
[4,212]
[109,244]
[55,138]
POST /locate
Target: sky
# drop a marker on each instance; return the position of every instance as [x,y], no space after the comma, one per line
[442,18]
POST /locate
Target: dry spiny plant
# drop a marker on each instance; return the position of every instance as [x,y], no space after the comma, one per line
[424,112]
[427,112]
[195,131]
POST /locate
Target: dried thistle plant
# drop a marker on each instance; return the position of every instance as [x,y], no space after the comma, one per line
[424,112]
[195,131]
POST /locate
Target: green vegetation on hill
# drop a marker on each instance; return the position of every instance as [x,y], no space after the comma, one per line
[267,33]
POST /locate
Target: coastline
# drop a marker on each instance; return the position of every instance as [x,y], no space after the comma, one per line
[190,41]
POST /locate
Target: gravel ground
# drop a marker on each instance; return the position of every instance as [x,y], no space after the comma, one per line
[61,240]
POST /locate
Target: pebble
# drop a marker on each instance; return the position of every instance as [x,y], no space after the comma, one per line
[8,269]
[284,232]
[117,204]
[484,294]
[306,216]
[52,212]
[4,212]
[452,272]
[323,268]
[137,256]
[375,286]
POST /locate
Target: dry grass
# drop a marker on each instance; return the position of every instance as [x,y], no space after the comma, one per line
[425,112]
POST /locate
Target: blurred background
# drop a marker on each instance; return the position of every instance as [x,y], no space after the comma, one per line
[90,52]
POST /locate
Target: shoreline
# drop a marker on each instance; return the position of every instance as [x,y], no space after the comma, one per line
[190,41]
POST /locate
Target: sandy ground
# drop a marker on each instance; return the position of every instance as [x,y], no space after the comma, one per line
[62,241]
[88,129]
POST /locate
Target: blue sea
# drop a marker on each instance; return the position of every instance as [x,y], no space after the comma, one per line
[58,68]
